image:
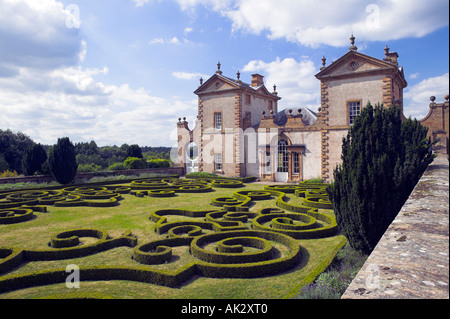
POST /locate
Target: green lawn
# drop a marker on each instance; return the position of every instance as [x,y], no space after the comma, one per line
[133,214]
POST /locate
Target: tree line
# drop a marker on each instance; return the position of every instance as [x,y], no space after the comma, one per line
[19,154]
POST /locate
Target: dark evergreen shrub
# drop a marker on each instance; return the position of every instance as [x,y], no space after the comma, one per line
[33,159]
[382,160]
[62,161]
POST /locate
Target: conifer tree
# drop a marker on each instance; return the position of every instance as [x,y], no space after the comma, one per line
[62,161]
[33,159]
[381,160]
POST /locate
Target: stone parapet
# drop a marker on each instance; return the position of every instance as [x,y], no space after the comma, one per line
[411,259]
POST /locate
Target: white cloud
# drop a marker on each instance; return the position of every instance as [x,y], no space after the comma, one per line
[72,103]
[140,3]
[173,40]
[37,35]
[45,93]
[417,97]
[156,41]
[295,81]
[189,76]
[313,23]
[216,5]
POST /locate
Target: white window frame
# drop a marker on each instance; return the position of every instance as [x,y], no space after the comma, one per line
[218,162]
[218,121]
[354,109]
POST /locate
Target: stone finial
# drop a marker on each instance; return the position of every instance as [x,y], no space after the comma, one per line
[238,75]
[386,50]
[201,81]
[218,68]
[352,42]
[432,99]
[446,97]
[179,119]
[324,60]
[184,119]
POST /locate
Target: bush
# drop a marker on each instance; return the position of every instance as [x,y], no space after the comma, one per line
[85,168]
[7,173]
[333,282]
[135,163]
[158,163]
[117,167]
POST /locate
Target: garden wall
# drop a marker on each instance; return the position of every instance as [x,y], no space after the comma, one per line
[84,176]
[411,259]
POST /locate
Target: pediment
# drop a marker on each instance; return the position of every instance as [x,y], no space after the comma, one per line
[216,83]
[263,90]
[353,63]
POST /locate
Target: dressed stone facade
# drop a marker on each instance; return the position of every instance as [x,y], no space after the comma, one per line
[240,131]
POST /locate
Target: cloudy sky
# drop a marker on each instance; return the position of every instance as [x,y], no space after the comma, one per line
[124,71]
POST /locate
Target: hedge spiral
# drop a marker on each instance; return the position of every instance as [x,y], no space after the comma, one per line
[230,240]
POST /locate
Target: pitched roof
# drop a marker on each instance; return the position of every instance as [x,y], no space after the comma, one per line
[379,64]
[238,84]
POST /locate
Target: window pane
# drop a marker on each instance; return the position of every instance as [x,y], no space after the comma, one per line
[282,156]
[354,109]
[218,162]
[218,121]
[296,163]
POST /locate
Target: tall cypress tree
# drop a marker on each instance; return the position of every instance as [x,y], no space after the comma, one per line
[62,161]
[381,158]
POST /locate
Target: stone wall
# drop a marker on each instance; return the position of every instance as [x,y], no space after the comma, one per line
[85,176]
[411,259]
[437,121]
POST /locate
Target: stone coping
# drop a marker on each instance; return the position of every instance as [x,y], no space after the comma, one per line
[411,260]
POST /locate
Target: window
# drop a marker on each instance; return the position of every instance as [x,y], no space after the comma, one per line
[217,162]
[296,163]
[354,109]
[282,156]
[218,121]
[267,168]
[248,99]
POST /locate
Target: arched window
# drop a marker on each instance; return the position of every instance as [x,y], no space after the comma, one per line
[283,160]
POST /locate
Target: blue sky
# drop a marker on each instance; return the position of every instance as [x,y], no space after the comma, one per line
[124,71]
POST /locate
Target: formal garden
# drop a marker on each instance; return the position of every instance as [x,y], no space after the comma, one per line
[202,236]
[165,237]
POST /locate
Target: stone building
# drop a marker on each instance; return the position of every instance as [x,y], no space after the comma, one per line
[437,122]
[240,131]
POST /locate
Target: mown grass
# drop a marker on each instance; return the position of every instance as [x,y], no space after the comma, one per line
[133,214]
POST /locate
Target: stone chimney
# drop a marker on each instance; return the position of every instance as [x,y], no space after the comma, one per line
[391,57]
[257,80]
